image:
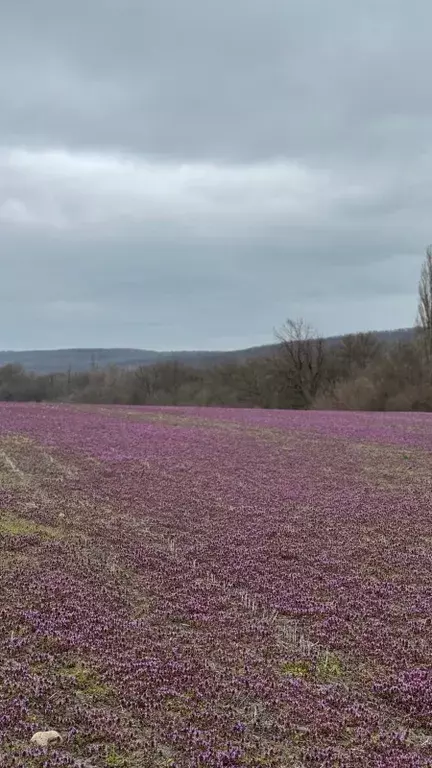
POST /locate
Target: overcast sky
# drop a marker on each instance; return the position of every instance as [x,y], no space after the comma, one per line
[179,174]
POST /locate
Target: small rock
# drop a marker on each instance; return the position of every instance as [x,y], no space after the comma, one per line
[45,738]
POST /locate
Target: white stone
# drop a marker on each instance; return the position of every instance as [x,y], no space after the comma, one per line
[45,738]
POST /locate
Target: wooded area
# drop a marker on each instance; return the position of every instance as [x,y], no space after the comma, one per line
[360,372]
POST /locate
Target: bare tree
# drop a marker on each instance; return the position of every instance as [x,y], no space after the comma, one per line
[357,350]
[144,384]
[303,358]
[424,319]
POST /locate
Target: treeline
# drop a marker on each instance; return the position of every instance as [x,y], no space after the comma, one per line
[359,372]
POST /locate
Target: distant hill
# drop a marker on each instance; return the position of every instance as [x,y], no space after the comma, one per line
[61,360]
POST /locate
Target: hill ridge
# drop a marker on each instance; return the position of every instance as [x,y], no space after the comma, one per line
[81,358]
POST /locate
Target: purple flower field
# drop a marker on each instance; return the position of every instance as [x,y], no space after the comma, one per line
[208,587]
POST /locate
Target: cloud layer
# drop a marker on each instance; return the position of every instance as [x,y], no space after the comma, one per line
[186,175]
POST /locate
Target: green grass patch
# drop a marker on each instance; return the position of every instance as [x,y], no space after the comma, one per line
[87,680]
[21,526]
[325,668]
[298,669]
[328,667]
[115,759]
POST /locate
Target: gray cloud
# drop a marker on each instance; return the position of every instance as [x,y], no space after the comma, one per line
[179,175]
